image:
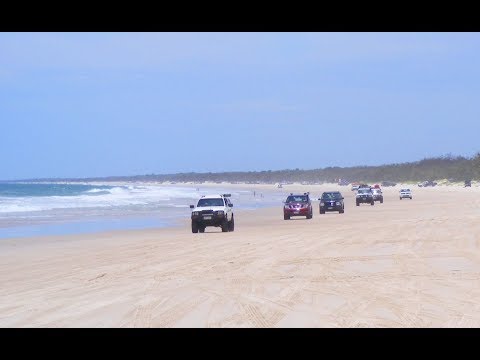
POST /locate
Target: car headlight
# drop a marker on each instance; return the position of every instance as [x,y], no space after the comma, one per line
[338,203]
[219,213]
[322,204]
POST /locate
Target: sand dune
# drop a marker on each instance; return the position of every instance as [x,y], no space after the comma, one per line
[409,263]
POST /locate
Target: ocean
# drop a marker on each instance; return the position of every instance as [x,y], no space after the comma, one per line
[40,209]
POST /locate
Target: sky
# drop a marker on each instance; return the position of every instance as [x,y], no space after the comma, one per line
[104,104]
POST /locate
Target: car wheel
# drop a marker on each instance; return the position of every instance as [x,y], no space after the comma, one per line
[201,229]
[341,211]
[194,227]
[232,224]
[358,204]
[225,225]
[381,201]
[400,198]
[286,217]
[372,203]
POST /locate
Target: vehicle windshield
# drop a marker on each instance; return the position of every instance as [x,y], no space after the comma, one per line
[364,191]
[331,196]
[297,198]
[210,202]
[405,190]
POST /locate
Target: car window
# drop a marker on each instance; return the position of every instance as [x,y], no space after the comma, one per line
[364,191]
[331,196]
[210,202]
[299,198]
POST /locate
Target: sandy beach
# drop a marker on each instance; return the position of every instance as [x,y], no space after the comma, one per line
[403,263]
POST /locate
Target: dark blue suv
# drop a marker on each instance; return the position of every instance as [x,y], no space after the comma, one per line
[332,201]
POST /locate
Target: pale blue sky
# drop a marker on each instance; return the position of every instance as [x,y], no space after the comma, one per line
[99,104]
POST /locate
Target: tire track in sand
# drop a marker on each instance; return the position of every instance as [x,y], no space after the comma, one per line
[178,311]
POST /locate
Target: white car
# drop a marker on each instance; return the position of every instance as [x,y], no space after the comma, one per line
[377,195]
[405,193]
[212,210]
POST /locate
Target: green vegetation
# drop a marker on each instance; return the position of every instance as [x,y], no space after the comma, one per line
[451,168]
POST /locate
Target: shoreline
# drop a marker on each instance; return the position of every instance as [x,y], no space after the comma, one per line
[151,220]
[177,223]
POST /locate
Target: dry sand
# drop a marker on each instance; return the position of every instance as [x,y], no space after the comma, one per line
[403,263]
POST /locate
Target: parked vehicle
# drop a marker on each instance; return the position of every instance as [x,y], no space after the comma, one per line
[427,183]
[388,183]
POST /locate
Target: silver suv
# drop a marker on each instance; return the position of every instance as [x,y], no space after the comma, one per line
[377,195]
[405,193]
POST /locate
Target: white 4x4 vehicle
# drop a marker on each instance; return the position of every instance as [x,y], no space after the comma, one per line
[212,210]
[377,195]
[405,193]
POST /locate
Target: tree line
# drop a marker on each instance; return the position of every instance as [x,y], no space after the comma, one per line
[453,168]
